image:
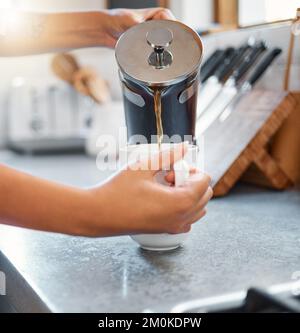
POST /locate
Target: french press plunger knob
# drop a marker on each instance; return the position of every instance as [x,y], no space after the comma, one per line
[160,39]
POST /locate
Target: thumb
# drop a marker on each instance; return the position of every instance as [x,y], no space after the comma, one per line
[156,14]
[165,159]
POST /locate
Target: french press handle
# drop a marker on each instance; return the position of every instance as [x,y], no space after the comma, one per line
[160,39]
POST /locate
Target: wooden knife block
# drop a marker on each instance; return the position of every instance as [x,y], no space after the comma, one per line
[238,148]
[285,146]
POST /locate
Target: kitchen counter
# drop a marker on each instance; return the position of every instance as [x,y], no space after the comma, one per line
[249,238]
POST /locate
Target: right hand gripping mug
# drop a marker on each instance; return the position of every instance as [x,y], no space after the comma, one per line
[132,153]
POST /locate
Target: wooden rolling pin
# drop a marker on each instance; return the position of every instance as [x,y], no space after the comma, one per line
[84,79]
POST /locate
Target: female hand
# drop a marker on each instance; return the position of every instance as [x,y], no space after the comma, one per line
[119,20]
[54,32]
[132,202]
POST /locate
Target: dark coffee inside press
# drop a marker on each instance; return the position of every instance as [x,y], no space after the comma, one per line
[159,65]
[162,118]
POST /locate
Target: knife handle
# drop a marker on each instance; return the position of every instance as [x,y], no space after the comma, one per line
[210,59]
[231,63]
[225,67]
[264,65]
[211,66]
[215,63]
[248,62]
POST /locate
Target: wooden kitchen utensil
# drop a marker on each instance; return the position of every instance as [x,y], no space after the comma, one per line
[84,79]
[291,50]
[233,146]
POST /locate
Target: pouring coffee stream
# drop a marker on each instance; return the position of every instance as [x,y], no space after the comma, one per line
[159,39]
[158,112]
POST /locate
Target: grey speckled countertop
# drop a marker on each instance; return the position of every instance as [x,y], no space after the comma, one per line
[249,238]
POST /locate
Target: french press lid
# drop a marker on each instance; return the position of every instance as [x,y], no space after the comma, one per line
[159,52]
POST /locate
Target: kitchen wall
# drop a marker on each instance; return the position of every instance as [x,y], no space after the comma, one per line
[198,14]
[261,11]
[195,15]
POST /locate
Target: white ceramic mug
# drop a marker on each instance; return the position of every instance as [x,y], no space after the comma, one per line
[162,242]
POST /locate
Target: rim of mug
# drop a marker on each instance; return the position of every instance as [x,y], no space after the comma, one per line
[156,149]
[130,154]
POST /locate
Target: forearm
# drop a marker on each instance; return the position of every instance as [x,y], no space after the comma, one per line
[31,202]
[24,33]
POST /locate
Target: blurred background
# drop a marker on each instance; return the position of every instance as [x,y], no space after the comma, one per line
[221,23]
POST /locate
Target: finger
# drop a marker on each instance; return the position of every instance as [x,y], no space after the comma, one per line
[197,217]
[198,207]
[170,177]
[187,226]
[136,16]
[183,229]
[156,14]
[194,171]
[163,14]
[111,42]
[198,184]
[202,203]
[168,157]
[163,160]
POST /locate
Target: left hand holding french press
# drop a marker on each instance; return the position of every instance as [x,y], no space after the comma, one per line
[120,20]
